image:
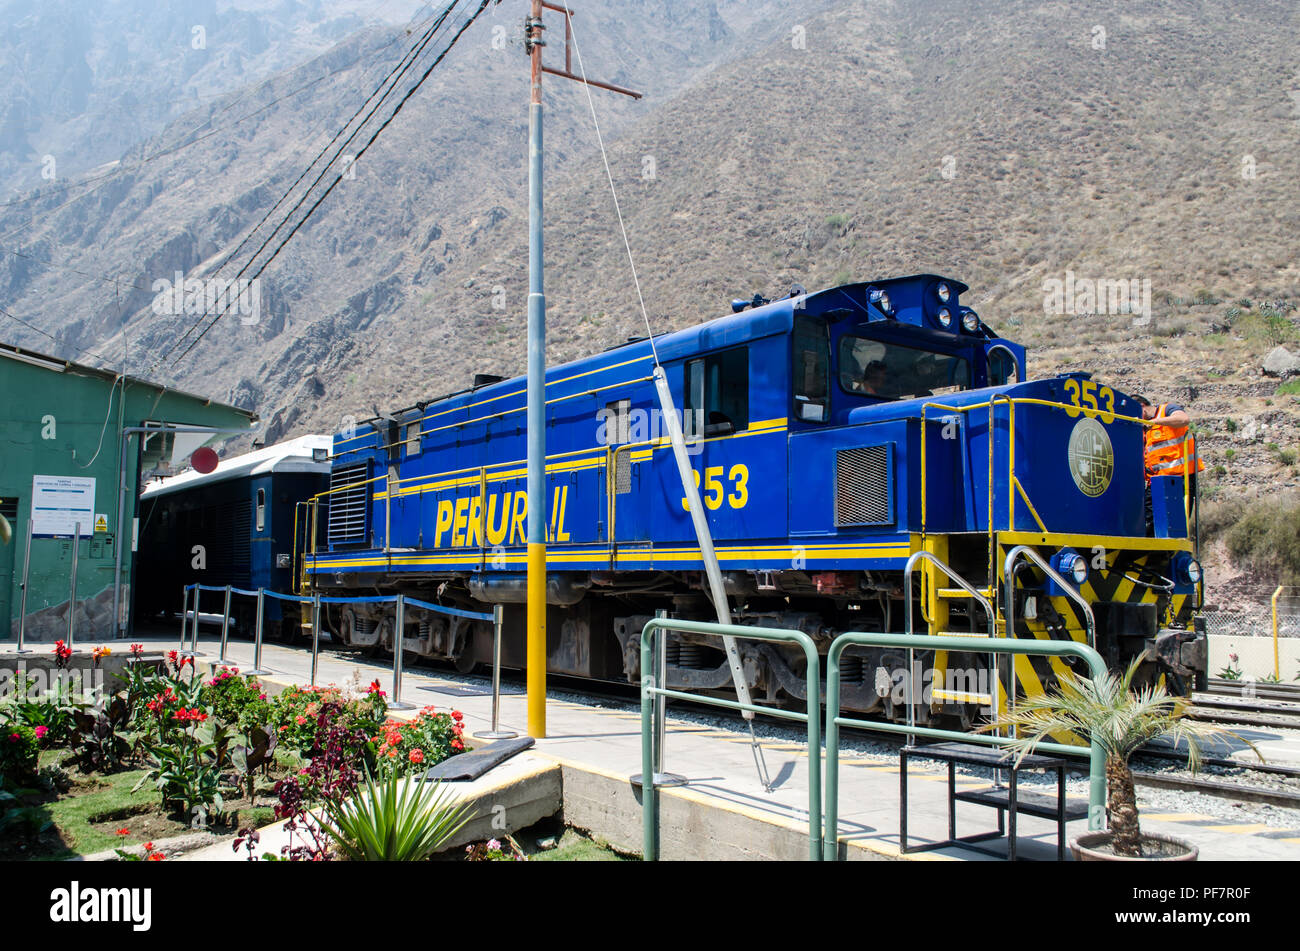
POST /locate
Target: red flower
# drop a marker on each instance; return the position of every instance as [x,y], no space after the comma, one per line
[417,756]
[14,737]
[456,744]
[394,738]
[171,658]
[41,731]
[457,715]
[137,649]
[156,856]
[123,831]
[148,846]
[300,720]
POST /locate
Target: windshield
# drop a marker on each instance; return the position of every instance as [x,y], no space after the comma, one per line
[892,372]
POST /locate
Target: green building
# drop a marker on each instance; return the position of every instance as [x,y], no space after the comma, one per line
[75,443]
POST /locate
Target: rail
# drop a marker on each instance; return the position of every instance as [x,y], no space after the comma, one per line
[1001,645]
[651,689]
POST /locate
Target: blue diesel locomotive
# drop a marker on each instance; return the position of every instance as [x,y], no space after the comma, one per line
[832,435]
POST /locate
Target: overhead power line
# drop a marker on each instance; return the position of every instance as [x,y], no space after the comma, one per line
[483,4]
[395,75]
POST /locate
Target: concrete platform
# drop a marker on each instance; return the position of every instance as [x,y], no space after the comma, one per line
[723,813]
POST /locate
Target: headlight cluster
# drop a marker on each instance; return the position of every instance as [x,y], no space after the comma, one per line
[1187,570]
[1071,565]
[970,320]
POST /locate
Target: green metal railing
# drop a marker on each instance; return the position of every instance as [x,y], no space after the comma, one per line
[649,690]
[1046,648]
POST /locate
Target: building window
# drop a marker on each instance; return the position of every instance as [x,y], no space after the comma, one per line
[717,393]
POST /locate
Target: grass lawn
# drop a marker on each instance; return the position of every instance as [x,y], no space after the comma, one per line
[574,847]
[87,815]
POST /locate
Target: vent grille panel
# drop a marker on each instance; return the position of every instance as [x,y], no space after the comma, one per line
[863,491]
[348,509]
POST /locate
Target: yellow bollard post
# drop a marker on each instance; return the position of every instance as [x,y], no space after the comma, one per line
[1277,664]
[536,649]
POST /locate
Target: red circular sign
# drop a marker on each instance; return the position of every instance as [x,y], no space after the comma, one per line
[204,460]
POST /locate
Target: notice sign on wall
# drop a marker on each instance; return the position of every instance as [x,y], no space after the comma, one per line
[60,502]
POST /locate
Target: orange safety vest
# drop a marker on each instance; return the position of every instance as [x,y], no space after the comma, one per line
[1166,448]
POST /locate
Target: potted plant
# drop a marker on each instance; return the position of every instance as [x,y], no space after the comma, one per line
[1121,719]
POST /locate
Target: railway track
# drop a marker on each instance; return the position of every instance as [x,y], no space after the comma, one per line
[1248,711]
[1252,690]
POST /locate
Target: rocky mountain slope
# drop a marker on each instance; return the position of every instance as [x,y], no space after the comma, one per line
[85,82]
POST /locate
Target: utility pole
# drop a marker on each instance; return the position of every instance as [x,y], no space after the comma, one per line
[536,608]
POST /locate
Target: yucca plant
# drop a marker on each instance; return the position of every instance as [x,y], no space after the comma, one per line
[398,819]
[1121,719]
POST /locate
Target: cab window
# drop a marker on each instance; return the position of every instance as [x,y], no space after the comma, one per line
[717,393]
[1002,367]
[888,371]
[810,374]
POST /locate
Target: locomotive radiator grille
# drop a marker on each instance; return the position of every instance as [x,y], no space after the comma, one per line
[347,513]
[862,486]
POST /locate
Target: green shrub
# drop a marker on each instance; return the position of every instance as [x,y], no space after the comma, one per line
[1230,424]
[19,749]
[1266,536]
[1289,388]
[395,820]
[837,221]
[236,701]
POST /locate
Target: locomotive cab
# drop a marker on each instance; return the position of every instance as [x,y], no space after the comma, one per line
[887,341]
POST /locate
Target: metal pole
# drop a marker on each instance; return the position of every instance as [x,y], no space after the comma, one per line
[1277,664]
[22,609]
[194,625]
[399,629]
[185,614]
[119,625]
[225,626]
[257,636]
[661,778]
[315,635]
[496,733]
[72,592]
[536,588]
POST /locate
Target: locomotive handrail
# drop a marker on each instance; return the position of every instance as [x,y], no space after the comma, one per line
[1000,645]
[1009,590]
[649,795]
[908,625]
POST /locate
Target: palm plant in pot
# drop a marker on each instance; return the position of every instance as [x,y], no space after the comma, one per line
[1121,719]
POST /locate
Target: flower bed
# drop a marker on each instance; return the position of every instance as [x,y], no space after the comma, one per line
[212,753]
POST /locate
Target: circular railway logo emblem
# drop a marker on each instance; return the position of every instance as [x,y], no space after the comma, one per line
[1092,459]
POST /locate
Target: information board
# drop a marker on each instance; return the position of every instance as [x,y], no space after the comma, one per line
[60,502]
